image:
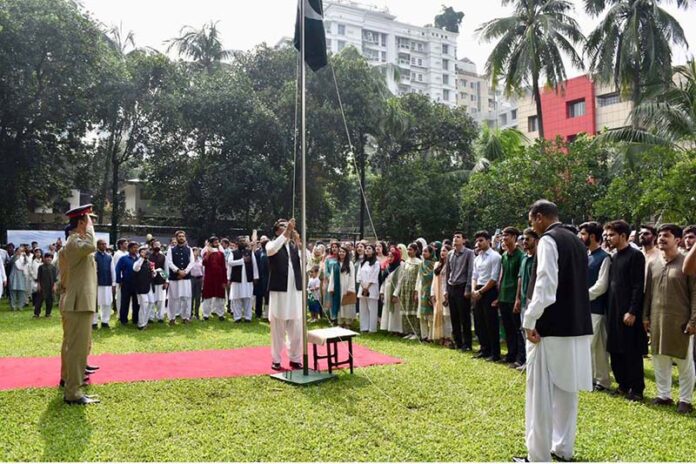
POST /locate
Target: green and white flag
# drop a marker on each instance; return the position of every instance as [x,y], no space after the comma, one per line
[315,36]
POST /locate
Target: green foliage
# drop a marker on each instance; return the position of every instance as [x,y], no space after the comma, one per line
[203,46]
[52,62]
[449,19]
[571,175]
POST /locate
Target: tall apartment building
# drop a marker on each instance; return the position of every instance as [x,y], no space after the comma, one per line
[412,58]
[579,106]
[477,96]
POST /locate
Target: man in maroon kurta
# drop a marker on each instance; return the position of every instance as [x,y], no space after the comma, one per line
[214,279]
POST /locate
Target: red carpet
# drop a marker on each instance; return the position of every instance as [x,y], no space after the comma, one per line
[17,373]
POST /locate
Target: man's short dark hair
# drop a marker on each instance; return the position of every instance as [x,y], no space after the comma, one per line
[48,255]
[593,228]
[529,231]
[482,234]
[509,230]
[120,241]
[619,226]
[672,228]
[545,208]
[460,233]
[133,244]
[650,227]
[689,230]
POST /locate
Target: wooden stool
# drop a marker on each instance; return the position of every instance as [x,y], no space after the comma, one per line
[331,337]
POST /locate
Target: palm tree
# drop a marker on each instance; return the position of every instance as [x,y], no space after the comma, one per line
[531,43]
[494,144]
[631,46]
[668,119]
[119,39]
[203,46]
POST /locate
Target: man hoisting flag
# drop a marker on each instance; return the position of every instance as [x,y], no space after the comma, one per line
[315,37]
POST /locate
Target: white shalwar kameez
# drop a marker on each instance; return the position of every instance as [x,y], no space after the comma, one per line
[242,293]
[368,279]
[557,369]
[285,310]
[180,290]
[105,298]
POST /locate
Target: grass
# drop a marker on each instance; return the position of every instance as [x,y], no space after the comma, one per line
[439,405]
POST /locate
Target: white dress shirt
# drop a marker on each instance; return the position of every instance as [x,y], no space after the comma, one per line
[486,267]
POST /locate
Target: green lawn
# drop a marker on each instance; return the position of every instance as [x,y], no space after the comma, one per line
[439,405]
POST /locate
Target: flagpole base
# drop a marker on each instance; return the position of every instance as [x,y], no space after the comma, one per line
[298,377]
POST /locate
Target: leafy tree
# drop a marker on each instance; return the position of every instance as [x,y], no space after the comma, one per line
[203,46]
[449,19]
[574,176]
[493,144]
[52,61]
[631,46]
[531,44]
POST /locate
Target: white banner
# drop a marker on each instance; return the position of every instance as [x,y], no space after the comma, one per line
[43,237]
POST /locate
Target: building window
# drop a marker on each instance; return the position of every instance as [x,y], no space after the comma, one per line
[532,124]
[341,45]
[575,108]
[513,115]
[420,78]
[445,95]
[420,61]
[384,56]
[420,47]
[608,99]
[473,85]
[503,119]
[328,44]
[445,65]
[473,98]
[384,40]
[341,29]
[445,50]
[445,79]
[464,82]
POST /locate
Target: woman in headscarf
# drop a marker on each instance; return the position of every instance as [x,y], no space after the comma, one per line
[408,294]
[403,250]
[346,285]
[391,310]
[442,324]
[424,284]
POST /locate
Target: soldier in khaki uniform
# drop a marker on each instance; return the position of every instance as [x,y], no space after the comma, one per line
[78,300]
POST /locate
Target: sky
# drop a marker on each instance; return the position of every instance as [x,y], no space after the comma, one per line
[244,24]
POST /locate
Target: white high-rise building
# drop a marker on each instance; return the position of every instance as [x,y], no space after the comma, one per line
[412,58]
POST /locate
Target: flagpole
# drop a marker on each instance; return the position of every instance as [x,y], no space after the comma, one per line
[303,256]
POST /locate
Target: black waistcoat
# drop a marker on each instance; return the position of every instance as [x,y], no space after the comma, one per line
[278,267]
[159,260]
[570,315]
[143,279]
[181,256]
[236,274]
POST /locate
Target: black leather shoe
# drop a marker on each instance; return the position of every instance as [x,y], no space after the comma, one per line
[294,365]
[221,318]
[104,325]
[479,355]
[94,326]
[85,400]
[559,458]
[520,459]
[276,367]
[91,368]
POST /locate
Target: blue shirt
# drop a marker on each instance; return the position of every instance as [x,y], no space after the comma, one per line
[486,267]
[124,270]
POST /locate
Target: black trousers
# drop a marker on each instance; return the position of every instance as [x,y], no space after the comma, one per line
[128,298]
[460,314]
[487,324]
[628,371]
[513,336]
[260,301]
[39,299]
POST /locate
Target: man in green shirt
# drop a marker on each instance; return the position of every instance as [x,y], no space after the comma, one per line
[510,270]
[529,245]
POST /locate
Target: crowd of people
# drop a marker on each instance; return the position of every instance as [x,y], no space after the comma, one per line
[636,287]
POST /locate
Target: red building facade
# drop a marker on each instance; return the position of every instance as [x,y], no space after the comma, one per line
[570,110]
